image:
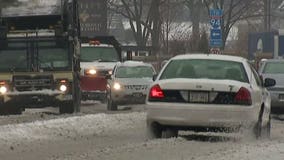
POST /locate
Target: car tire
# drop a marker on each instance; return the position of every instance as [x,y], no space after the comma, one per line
[154,131]
[257,130]
[169,133]
[111,105]
[266,130]
[262,132]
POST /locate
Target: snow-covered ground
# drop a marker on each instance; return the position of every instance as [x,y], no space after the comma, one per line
[121,136]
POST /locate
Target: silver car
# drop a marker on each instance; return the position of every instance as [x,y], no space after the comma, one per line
[203,92]
[129,83]
[274,68]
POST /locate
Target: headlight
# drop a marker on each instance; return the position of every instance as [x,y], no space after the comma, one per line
[117,86]
[63,88]
[91,72]
[3,89]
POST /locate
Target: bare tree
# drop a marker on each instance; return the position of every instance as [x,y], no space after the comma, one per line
[195,8]
[235,11]
[5,3]
[140,16]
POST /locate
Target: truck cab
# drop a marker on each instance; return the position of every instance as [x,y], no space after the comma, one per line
[98,58]
[39,64]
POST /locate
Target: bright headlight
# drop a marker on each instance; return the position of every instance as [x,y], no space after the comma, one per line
[91,72]
[3,89]
[117,86]
[63,88]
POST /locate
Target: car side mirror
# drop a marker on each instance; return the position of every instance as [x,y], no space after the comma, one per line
[268,82]
[108,76]
[155,77]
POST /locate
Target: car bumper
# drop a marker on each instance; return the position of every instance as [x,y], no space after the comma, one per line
[195,115]
[121,98]
[276,100]
[35,99]
[94,95]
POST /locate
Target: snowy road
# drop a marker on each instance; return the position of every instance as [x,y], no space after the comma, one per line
[98,134]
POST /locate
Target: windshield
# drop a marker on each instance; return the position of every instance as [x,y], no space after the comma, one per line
[134,72]
[52,56]
[102,54]
[14,57]
[24,56]
[274,68]
[203,68]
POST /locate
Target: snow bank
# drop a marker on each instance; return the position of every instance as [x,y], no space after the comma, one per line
[261,150]
[98,124]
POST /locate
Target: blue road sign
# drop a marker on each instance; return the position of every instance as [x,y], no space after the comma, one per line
[215,23]
[216,34]
[216,13]
[216,43]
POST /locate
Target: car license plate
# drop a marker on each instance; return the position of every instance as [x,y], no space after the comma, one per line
[199,97]
[137,94]
[281,97]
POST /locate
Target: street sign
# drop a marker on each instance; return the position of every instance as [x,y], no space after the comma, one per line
[216,13]
[215,23]
[216,43]
[216,32]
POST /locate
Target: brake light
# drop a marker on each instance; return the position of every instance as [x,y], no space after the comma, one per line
[243,96]
[94,42]
[156,92]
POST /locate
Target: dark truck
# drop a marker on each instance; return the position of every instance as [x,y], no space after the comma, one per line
[39,50]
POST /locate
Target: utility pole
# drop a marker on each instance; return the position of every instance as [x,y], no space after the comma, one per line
[267,15]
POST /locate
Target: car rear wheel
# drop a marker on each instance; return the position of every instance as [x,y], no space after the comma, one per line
[266,130]
[154,130]
[262,132]
[169,133]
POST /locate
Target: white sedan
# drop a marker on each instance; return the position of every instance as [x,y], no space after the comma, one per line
[203,92]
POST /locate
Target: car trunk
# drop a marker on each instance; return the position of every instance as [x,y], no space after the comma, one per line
[203,91]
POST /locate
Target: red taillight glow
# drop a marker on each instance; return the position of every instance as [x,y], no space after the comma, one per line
[243,96]
[156,92]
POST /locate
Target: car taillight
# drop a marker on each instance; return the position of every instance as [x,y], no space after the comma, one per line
[156,92]
[243,97]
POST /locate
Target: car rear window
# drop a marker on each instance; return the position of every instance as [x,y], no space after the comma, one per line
[134,72]
[274,68]
[204,68]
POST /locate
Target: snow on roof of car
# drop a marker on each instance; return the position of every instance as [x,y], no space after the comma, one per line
[134,63]
[210,56]
[274,60]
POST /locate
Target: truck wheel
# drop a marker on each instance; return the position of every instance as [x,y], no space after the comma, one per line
[67,108]
[11,110]
[17,111]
